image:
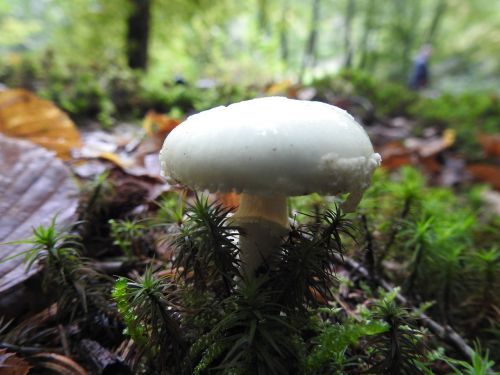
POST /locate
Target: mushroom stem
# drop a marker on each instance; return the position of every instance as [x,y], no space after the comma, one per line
[264,221]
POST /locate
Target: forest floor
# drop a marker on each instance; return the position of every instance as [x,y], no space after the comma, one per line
[108,193]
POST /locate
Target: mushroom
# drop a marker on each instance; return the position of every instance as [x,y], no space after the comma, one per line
[268,149]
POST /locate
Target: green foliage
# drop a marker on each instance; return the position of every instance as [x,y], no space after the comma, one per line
[66,274]
[388,99]
[207,254]
[81,94]
[149,310]
[467,113]
[96,196]
[302,271]
[480,364]
[419,238]
[120,294]
[127,235]
[438,250]
[333,341]
[397,350]
[171,208]
[253,337]
[56,249]
[485,281]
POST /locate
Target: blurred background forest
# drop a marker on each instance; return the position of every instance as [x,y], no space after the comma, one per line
[256,41]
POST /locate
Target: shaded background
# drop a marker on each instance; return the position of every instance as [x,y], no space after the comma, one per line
[254,41]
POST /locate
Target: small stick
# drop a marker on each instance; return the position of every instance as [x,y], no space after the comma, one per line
[105,362]
[346,307]
[445,333]
[64,340]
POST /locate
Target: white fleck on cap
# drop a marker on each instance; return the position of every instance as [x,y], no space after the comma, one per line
[271,145]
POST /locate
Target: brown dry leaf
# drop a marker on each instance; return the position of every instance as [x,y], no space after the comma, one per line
[395,155]
[229,200]
[490,144]
[416,151]
[431,146]
[34,186]
[11,364]
[24,115]
[284,87]
[485,173]
[58,363]
[120,161]
[156,124]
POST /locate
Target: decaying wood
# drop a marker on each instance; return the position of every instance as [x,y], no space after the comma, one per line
[445,333]
[104,361]
[130,353]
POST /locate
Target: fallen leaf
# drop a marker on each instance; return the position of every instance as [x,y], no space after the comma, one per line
[417,151]
[229,200]
[34,186]
[156,124]
[490,144]
[58,363]
[395,155]
[89,169]
[11,364]
[427,147]
[485,173]
[24,115]
[284,88]
[120,161]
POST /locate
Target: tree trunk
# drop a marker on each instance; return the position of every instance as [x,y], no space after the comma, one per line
[284,49]
[436,20]
[367,29]
[349,16]
[310,52]
[405,29]
[262,17]
[138,34]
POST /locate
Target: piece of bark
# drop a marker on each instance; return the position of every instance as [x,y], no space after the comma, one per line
[34,186]
[105,362]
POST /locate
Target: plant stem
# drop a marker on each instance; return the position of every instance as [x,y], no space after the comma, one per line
[369,256]
[264,221]
[394,231]
[419,254]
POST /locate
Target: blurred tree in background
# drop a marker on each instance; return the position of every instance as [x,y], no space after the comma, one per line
[260,39]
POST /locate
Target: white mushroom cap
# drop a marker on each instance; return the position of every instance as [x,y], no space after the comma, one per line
[271,145]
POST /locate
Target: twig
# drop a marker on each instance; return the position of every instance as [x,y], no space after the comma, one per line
[103,360]
[346,307]
[25,349]
[445,333]
[64,340]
